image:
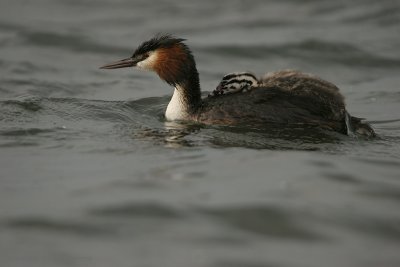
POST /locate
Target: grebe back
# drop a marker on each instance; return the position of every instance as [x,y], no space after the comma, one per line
[283,98]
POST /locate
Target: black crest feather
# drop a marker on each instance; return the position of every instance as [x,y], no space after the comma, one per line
[159,41]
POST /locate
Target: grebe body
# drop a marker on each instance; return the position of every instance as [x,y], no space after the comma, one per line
[283,98]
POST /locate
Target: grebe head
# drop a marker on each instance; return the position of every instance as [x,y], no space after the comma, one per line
[173,61]
[168,56]
[236,82]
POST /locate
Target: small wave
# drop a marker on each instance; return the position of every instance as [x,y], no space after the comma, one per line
[72,42]
[384,16]
[5,26]
[29,105]
[262,220]
[18,144]
[386,228]
[274,137]
[144,210]
[74,109]
[28,68]
[313,50]
[57,226]
[23,132]
[342,178]
[383,95]
[385,121]
[43,88]
[143,119]
[46,121]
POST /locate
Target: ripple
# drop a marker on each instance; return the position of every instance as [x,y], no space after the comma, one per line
[385,16]
[381,162]
[6,26]
[28,131]
[342,178]
[72,42]
[75,109]
[241,263]
[262,220]
[28,68]
[57,226]
[169,137]
[317,50]
[385,121]
[386,228]
[44,88]
[143,119]
[322,164]
[275,137]
[382,192]
[18,144]
[137,210]
[29,105]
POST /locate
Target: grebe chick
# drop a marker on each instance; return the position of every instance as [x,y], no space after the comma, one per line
[289,80]
[235,82]
[268,105]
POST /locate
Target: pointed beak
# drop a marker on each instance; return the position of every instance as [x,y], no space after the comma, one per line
[124,63]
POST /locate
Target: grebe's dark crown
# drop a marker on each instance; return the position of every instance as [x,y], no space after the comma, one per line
[158,41]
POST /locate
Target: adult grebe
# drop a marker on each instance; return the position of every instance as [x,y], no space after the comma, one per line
[290,98]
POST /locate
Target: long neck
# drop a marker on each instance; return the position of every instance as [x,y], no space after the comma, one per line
[185,101]
[176,65]
[187,95]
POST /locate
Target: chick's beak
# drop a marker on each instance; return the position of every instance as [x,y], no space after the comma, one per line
[124,63]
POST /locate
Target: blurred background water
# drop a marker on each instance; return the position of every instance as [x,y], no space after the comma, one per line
[91,175]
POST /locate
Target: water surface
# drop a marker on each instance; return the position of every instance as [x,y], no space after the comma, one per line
[92,175]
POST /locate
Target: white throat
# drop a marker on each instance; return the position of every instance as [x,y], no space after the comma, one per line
[177,108]
[149,62]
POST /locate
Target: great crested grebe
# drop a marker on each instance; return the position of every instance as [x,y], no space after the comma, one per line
[283,98]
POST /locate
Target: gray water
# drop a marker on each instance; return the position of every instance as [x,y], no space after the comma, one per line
[91,174]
